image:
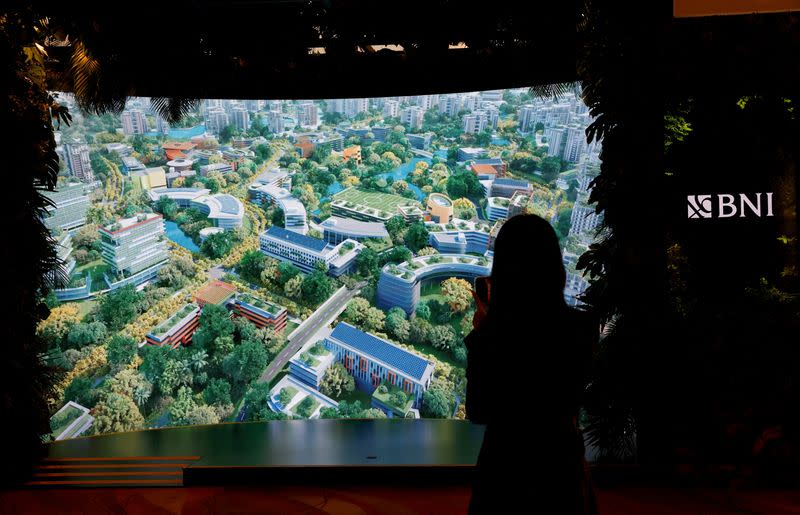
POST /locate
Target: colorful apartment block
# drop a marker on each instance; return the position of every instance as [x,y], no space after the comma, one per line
[373,361]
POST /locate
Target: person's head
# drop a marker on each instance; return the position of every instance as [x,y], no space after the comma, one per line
[527,268]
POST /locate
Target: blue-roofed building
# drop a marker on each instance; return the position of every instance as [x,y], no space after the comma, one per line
[372,361]
[305,251]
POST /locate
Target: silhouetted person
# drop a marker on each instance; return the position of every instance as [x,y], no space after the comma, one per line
[528,356]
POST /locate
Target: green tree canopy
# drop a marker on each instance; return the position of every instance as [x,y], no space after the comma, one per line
[256,406]
[416,236]
[116,413]
[337,381]
[246,362]
[119,307]
[317,287]
[82,334]
[120,351]
[367,262]
[436,403]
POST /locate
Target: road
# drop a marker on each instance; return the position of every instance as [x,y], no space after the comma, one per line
[323,316]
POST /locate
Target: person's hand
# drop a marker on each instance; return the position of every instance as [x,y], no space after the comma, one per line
[481,309]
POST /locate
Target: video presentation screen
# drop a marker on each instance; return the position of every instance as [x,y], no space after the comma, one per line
[274,259]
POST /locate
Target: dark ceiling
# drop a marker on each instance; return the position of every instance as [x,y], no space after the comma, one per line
[260,49]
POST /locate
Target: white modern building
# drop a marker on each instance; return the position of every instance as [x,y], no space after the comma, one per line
[294,212]
[556,137]
[307,114]
[459,237]
[412,116]
[474,123]
[182,196]
[134,244]
[225,211]
[526,118]
[305,252]
[338,229]
[497,208]
[240,118]
[575,144]
[276,122]
[391,108]
[354,106]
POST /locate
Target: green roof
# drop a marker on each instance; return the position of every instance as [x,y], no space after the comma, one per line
[269,307]
[386,398]
[169,323]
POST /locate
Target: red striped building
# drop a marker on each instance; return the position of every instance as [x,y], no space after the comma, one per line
[177,329]
[258,311]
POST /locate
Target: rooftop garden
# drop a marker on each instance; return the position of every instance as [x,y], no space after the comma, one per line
[262,304]
[394,398]
[346,247]
[309,359]
[61,421]
[318,349]
[286,395]
[169,323]
[306,407]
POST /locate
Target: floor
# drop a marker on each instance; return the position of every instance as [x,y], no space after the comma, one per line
[370,500]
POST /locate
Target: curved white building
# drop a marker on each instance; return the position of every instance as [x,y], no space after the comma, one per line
[294,212]
[459,237]
[399,285]
[225,211]
[182,196]
[337,229]
[180,164]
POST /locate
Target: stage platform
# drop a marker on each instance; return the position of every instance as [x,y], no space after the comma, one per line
[329,451]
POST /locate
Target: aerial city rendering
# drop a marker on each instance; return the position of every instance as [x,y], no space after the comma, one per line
[269,260]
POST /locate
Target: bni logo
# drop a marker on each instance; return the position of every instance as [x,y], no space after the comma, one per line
[703,206]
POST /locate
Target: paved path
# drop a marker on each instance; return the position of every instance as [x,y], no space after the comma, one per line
[323,316]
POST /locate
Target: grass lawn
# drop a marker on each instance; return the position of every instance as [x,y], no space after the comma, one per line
[96,269]
[279,376]
[290,391]
[356,395]
[378,244]
[238,407]
[443,356]
[306,407]
[85,307]
[431,291]
[290,326]
[386,399]
[374,199]
[58,423]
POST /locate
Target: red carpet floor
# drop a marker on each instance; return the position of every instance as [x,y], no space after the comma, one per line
[371,500]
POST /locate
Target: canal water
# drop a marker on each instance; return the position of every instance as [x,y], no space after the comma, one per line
[175,234]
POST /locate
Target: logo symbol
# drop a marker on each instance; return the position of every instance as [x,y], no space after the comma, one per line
[699,206]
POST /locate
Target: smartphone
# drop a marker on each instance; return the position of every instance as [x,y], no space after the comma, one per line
[481,287]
